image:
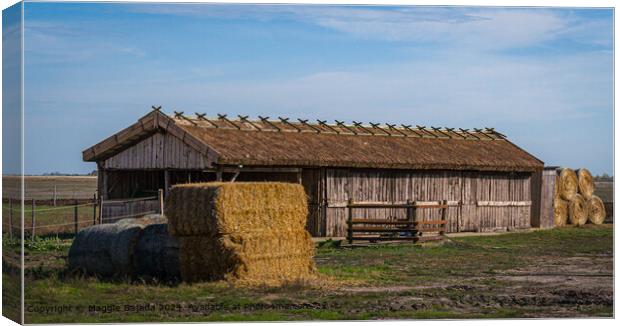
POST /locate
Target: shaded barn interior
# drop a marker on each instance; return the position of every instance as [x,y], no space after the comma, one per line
[489,183]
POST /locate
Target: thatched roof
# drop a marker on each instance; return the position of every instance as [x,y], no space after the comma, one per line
[285,143]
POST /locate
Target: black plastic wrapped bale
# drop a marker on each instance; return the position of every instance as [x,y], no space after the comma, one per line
[156,255]
[104,249]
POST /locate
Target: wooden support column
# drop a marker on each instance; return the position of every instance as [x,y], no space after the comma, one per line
[160,197]
[444,210]
[350,221]
[104,184]
[166,182]
[218,174]
[94,209]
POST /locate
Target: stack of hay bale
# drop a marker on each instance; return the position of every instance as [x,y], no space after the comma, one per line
[241,232]
[574,202]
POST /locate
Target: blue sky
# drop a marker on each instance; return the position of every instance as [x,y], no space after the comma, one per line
[542,76]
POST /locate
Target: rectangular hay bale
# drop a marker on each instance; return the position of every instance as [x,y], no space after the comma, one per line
[216,207]
[251,232]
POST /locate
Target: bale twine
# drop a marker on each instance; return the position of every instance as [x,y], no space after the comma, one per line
[568,184]
[560,212]
[104,249]
[586,183]
[577,211]
[596,210]
[242,232]
[156,254]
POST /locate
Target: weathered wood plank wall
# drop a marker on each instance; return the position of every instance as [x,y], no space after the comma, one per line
[489,201]
[159,151]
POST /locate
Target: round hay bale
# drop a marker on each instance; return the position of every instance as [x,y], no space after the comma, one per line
[144,220]
[560,212]
[104,249]
[586,183]
[568,184]
[577,210]
[156,254]
[596,210]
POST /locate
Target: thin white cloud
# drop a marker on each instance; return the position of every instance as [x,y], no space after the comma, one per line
[484,28]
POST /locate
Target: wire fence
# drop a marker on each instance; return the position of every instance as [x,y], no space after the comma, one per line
[41,218]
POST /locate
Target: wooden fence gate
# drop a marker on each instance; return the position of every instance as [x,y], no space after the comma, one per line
[408,229]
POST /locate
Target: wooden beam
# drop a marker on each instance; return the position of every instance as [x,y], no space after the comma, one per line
[408,127]
[342,125]
[266,120]
[324,124]
[166,182]
[393,127]
[202,116]
[403,204]
[503,203]
[359,125]
[305,123]
[104,186]
[285,121]
[254,169]
[244,118]
[224,117]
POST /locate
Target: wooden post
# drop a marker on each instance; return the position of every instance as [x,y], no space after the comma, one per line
[104,186]
[443,215]
[100,210]
[75,217]
[32,218]
[166,182]
[350,221]
[55,195]
[94,209]
[218,175]
[160,195]
[10,218]
[409,213]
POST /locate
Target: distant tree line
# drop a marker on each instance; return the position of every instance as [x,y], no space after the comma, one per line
[61,174]
[604,177]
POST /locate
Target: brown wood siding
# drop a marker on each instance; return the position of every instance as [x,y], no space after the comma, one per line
[547,193]
[470,188]
[158,151]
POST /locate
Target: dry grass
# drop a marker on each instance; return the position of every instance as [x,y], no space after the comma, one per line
[252,147]
[241,232]
[586,183]
[596,210]
[567,184]
[577,210]
[560,212]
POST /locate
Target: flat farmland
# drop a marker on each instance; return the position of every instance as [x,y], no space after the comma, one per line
[557,273]
[605,190]
[43,187]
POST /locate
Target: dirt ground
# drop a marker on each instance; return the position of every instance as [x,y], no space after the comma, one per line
[559,273]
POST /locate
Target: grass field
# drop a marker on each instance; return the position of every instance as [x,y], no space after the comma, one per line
[564,272]
[42,187]
[49,220]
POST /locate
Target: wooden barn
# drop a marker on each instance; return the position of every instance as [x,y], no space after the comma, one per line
[488,182]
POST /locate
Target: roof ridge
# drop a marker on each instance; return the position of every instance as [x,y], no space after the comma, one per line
[283,124]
